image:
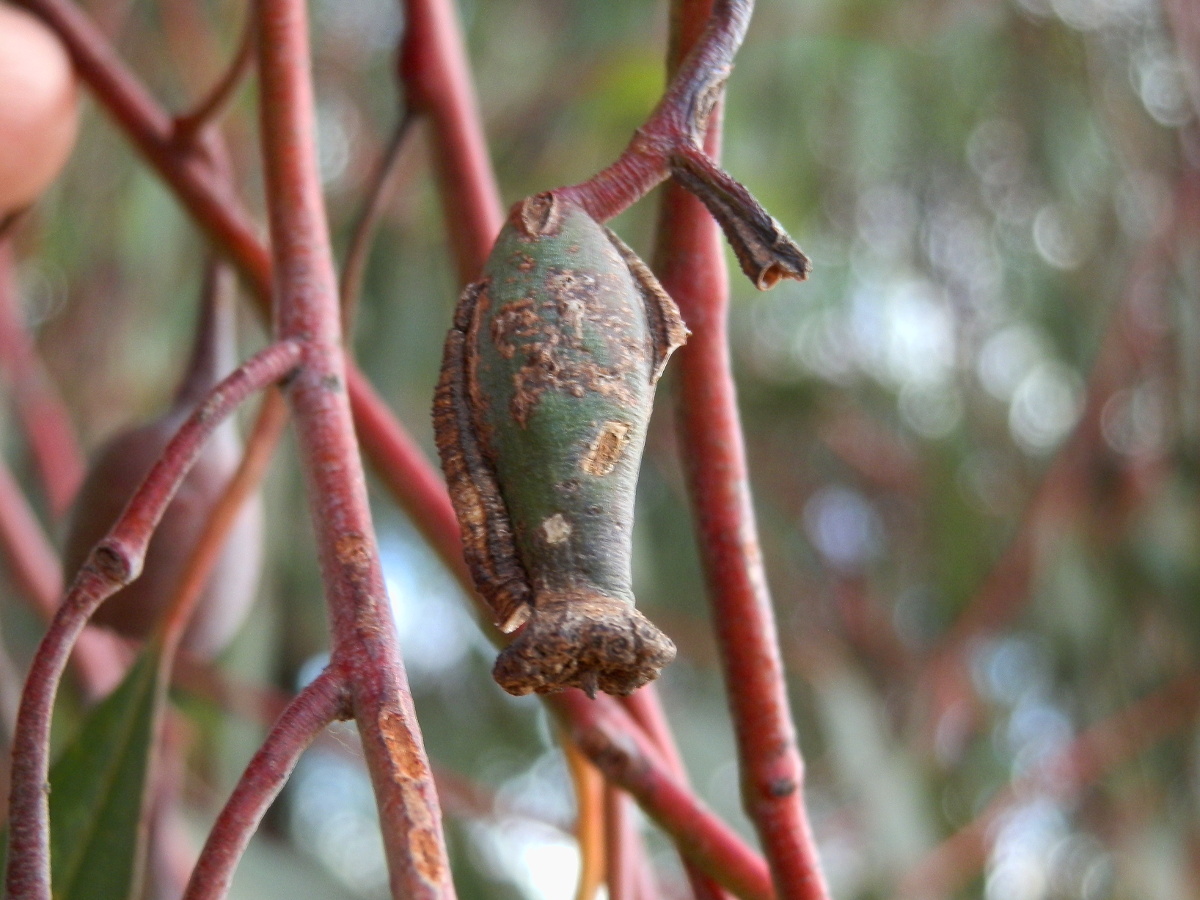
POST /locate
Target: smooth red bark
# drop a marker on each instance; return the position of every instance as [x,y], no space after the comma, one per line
[617,747]
[307,309]
[690,263]
[320,703]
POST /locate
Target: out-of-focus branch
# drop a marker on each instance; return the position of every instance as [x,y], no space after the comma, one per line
[589,821]
[1064,486]
[43,416]
[375,196]
[210,107]
[1083,762]
[432,65]
[260,446]
[37,573]
[615,745]
[645,706]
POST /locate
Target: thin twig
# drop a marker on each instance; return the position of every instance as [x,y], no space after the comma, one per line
[589,820]
[646,708]
[187,126]
[44,417]
[616,746]
[698,74]
[378,189]
[314,708]
[437,81]
[114,562]
[260,446]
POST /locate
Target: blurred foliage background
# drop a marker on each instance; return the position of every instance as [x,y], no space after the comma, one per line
[973,433]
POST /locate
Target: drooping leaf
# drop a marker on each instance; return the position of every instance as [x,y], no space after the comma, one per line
[97,791]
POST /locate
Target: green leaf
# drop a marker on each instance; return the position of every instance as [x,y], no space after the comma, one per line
[98,787]
[97,791]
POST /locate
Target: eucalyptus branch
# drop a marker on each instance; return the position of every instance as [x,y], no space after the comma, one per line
[378,189]
[432,65]
[404,470]
[679,120]
[690,264]
[616,746]
[114,562]
[646,708]
[306,308]
[323,701]
[44,419]
[187,126]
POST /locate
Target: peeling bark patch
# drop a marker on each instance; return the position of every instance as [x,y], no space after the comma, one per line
[410,772]
[351,550]
[606,450]
[556,529]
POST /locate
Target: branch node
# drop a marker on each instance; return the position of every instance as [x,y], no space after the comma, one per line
[114,562]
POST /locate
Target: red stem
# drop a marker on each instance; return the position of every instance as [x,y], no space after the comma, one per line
[188,125]
[44,418]
[306,308]
[320,703]
[36,572]
[621,859]
[358,248]
[31,561]
[699,66]
[433,67]
[646,708]
[616,746]
[692,269]
[113,563]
